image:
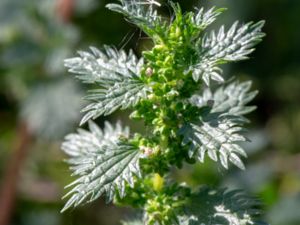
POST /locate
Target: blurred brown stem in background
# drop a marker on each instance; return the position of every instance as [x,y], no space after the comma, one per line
[12,174]
[65,9]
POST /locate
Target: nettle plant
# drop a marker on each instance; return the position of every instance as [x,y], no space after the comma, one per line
[187,120]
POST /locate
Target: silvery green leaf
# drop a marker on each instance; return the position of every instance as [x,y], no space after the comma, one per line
[117,76]
[217,136]
[142,13]
[120,95]
[206,70]
[219,132]
[230,98]
[104,66]
[133,222]
[220,207]
[221,47]
[102,162]
[203,19]
[233,45]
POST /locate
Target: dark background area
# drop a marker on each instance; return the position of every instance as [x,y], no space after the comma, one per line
[40,103]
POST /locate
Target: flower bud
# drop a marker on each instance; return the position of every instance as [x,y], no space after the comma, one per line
[149,72]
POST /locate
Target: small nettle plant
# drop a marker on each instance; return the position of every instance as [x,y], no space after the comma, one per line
[187,120]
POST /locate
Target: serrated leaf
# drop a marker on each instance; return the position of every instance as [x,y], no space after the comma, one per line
[218,133]
[143,14]
[120,95]
[230,98]
[221,47]
[234,45]
[101,161]
[203,19]
[117,76]
[217,136]
[209,206]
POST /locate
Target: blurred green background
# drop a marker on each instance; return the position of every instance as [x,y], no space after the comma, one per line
[40,103]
